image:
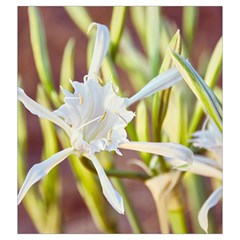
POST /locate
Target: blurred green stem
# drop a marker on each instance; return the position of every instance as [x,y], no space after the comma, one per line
[116,28]
[196,195]
[176,213]
[130,212]
[115,172]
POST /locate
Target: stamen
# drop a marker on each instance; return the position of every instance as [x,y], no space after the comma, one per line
[91,121]
[121,117]
[80,99]
[103,117]
[109,135]
[115,89]
[100,81]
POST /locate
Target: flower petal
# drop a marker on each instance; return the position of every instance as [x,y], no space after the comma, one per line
[160,82]
[203,169]
[37,109]
[100,48]
[113,197]
[210,202]
[180,157]
[38,171]
[161,187]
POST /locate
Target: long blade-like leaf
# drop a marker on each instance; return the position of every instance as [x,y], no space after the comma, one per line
[190,19]
[153,38]
[67,68]
[160,100]
[40,52]
[211,77]
[209,101]
[116,28]
[80,17]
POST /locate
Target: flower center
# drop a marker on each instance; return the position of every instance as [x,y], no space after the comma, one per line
[97,116]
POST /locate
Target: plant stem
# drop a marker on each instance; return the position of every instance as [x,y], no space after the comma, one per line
[130,212]
[196,195]
[115,172]
[176,213]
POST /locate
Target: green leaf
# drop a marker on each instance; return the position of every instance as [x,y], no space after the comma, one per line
[138,17]
[204,94]
[133,62]
[212,74]
[190,18]
[48,129]
[168,28]
[67,68]
[176,45]
[160,100]
[50,186]
[32,203]
[109,72]
[142,122]
[80,17]
[116,28]
[142,127]
[40,52]
[153,38]
[215,65]
[182,117]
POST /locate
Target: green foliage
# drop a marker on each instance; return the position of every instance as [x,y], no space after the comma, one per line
[40,52]
[133,59]
[204,94]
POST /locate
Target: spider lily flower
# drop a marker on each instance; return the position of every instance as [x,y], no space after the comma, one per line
[94,117]
[209,138]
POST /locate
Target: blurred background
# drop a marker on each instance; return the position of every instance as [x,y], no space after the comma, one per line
[59,28]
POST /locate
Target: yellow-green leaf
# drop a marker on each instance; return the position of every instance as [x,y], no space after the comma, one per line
[190,18]
[212,74]
[116,28]
[160,100]
[80,17]
[207,98]
[67,68]
[40,52]
[153,38]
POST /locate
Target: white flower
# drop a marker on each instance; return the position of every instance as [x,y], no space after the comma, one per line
[94,118]
[210,138]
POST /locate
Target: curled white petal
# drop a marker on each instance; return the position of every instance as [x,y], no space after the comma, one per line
[38,171]
[202,168]
[113,197]
[100,48]
[160,82]
[37,109]
[210,202]
[206,160]
[210,138]
[179,156]
[161,187]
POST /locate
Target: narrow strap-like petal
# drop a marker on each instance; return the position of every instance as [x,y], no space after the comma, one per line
[113,197]
[100,48]
[180,157]
[37,109]
[38,171]
[160,82]
[202,168]
[210,202]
